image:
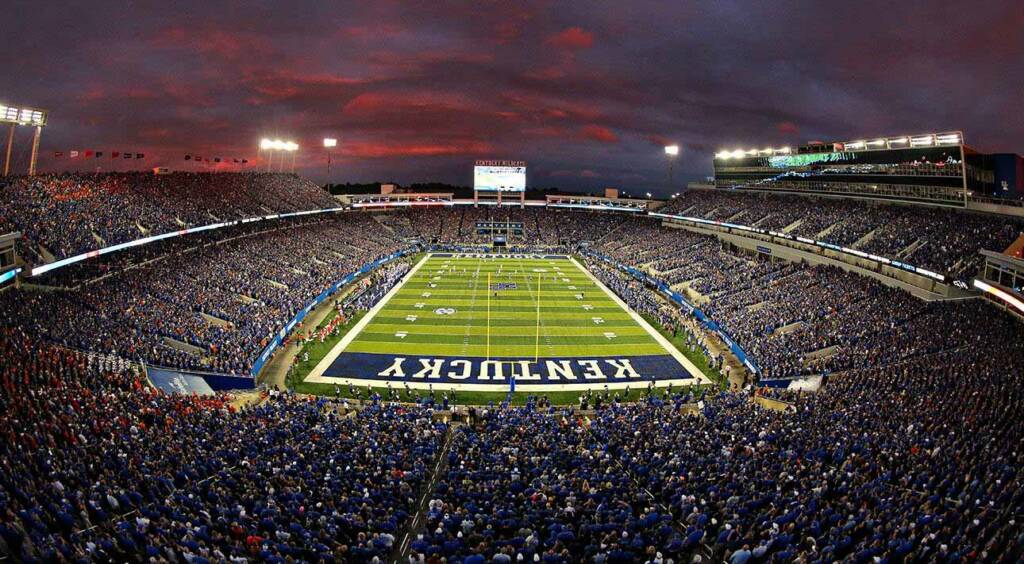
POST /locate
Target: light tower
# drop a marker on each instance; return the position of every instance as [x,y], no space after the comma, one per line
[329,143]
[671,151]
[22,116]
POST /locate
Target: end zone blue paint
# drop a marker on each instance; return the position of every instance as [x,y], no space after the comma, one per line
[478,370]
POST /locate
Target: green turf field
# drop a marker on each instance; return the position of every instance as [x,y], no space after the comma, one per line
[554,310]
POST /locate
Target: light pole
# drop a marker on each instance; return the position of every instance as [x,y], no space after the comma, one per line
[34,117]
[671,151]
[329,143]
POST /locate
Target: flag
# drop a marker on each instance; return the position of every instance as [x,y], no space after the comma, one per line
[127,155]
[244,161]
[188,157]
[236,161]
[115,154]
[74,154]
[88,153]
[58,154]
[140,155]
[216,159]
[99,154]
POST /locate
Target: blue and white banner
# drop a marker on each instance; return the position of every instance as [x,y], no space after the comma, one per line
[203,383]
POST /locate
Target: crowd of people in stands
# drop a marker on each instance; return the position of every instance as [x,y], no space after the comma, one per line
[911,462]
[62,215]
[216,305]
[210,307]
[909,452]
[796,320]
[938,239]
[98,467]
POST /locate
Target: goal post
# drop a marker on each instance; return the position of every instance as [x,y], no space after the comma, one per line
[536,348]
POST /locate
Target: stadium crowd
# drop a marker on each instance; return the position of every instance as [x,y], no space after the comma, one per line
[938,239]
[909,453]
[98,467]
[67,214]
[796,320]
[210,307]
[913,462]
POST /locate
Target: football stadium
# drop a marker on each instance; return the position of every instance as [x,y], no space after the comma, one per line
[439,283]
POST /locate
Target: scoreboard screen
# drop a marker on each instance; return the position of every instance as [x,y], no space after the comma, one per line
[493,178]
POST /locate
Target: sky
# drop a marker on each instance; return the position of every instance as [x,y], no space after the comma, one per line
[587,92]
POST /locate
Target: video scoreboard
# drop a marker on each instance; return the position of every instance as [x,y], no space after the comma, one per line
[499,176]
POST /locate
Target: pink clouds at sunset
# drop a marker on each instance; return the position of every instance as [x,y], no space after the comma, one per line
[599,133]
[376,150]
[417,90]
[572,38]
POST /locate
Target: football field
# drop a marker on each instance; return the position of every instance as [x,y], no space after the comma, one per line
[482,321]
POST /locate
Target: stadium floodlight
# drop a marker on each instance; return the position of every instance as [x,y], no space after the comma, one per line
[33,117]
[271,145]
[329,143]
[922,141]
[671,151]
[648,194]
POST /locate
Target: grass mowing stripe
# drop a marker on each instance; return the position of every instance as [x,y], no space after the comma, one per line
[565,324]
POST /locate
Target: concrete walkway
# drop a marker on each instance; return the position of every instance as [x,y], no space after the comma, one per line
[275,371]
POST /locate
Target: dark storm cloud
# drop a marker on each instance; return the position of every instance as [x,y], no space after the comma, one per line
[586,91]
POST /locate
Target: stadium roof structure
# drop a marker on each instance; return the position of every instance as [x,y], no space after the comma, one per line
[947,138]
